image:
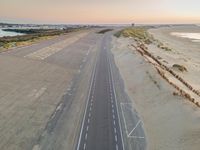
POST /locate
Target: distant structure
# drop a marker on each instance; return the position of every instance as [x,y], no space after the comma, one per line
[133,24]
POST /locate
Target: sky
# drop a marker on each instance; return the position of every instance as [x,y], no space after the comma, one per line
[100,11]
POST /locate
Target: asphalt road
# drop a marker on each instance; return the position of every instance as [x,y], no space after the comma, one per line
[101,129]
[66,93]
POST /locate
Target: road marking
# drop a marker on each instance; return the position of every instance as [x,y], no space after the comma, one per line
[114,122]
[134,127]
[124,120]
[112,106]
[54,48]
[88,52]
[129,134]
[116,138]
[115,130]
[83,121]
[88,120]
[87,127]
[84,146]
[86,136]
[37,93]
[137,137]
[89,114]
[111,77]
[117,147]
[113,116]
[36,147]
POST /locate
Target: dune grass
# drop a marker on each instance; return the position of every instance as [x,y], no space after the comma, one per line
[104,31]
[180,67]
[138,33]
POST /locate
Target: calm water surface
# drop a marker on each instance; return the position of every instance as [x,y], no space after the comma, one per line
[5,33]
[195,37]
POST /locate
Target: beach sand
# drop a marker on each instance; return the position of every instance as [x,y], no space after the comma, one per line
[170,122]
[184,52]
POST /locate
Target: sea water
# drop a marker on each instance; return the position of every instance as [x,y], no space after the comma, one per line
[194,37]
[8,33]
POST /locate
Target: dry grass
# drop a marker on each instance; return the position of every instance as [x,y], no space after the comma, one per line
[24,43]
[104,31]
[141,35]
[180,67]
[138,33]
[38,35]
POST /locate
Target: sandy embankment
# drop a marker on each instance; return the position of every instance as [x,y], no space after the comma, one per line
[171,122]
[183,52]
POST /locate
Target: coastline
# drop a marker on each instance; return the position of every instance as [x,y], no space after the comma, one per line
[170,121]
[7,33]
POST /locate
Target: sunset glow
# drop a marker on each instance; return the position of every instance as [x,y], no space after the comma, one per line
[100,11]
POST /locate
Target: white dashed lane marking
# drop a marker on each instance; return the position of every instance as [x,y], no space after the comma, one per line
[84,147]
[117,147]
[114,122]
[115,130]
[113,111]
[86,136]
[115,138]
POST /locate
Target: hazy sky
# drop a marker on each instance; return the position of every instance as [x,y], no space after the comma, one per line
[100,11]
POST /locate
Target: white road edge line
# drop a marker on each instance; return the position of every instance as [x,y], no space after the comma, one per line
[116,105]
[124,120]
[88,98]
[137,137]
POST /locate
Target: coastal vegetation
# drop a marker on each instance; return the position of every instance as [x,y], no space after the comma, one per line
[31,36]
[180,67]
[141,35]
[143,43]
[104,31]
[138,33]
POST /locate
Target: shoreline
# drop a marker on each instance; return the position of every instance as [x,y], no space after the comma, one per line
[170,121]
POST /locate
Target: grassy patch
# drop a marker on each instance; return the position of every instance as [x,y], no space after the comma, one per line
[161,45]
[104,31]
[180,67]
[138,33]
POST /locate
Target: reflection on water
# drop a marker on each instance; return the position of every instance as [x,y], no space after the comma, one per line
[195,37]
[6,33]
